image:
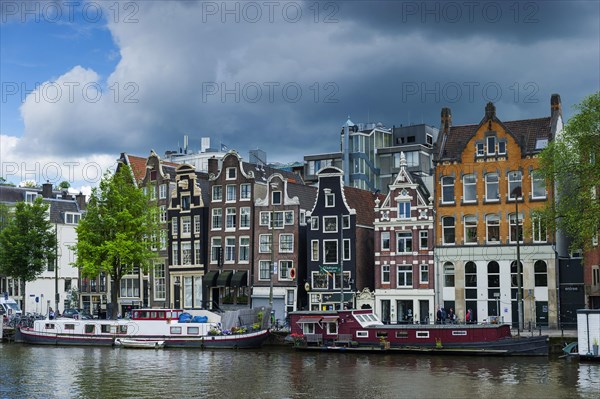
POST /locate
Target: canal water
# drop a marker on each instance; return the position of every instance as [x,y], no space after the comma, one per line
[64,372]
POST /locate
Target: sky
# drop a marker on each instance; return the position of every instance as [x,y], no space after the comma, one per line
[83,81]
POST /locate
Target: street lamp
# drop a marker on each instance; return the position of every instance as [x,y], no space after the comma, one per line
[517,193]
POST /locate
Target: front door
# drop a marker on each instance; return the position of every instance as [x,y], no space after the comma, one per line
[541,313]
[385,311]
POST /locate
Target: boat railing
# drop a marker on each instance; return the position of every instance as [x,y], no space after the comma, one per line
[313,339]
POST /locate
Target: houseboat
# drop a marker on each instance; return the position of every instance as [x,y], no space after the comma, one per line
[172,328]
[362,331]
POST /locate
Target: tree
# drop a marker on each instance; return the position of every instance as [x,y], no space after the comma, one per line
[27,243]
[117,232]
[571,164]
[63,185]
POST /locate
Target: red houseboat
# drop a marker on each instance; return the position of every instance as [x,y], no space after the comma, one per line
[361,330]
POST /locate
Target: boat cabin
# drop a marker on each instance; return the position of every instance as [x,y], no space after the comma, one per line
[156,314]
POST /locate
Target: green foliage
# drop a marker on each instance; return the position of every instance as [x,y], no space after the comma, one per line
[118,230]
[571,164]
[63,185]
[27,242]
[5,216]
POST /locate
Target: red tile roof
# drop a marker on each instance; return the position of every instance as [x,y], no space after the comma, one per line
[363,202]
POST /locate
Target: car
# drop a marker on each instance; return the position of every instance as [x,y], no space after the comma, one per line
[73,313]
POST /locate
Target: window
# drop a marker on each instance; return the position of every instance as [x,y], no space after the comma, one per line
[284,269]
[130,288]
[186,253]
[448,274]
[72,218]
[385,274]
[265,218]
[163,214]
[541,273]
[470,229]
[245,217]
[30,197]
[314,223]
[538,229]
[336,280]
[162,191]
[501,147]
[197,253]
[423,239]
[346,249]
[470,274]
[447,189]
[174,226]
[314,253]
[514,229]
[276,198]
[330,251]
[193,331]
[404,241]
[197,225]
[163,240]
[265,243]
[229,249]
[245,191]
[449,234]
[186,225]
[480,149]
[244,249]
[538,185]
[405,276]
[264,270]
[278,220]
[493,274]
[469,188]
[217,218]
[385,240]
[491,145]
[514,184]
[288,218]
[230,194]
[231,173]
[217,193]
[492,227]
[330,224]
[286,243]
[152,190]
[319,281]
[404,210]
[185,202]
[329,200]
[491,187]
[215,249]
[424,274]
[346,221]
[230,218]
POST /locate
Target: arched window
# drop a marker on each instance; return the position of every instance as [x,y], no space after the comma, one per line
[470,274]
[448,274]
[541,273]
[493,269]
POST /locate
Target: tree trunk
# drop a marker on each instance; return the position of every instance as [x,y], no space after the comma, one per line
[24,301]
[114,295]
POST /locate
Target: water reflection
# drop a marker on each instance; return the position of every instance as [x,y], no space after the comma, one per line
[49,372]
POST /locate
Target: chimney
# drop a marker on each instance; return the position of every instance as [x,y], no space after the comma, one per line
[47,190]
[213,166]
[555,106]
[490,110]
[80,198]
[446,119]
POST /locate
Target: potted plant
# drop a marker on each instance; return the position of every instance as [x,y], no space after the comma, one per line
[595,347]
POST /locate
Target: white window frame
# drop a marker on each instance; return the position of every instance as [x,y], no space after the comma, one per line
[537,182]
[329,200]
[470,188]
[186,225]
[264,269]
[245,220]
[314,253]
[231,173]
[230,218]
[230,193]
[469,222]
[162,191]
[346,255]
[197,224]
[217,193]
[385,240]
[217,215]
[423,235]
[327,226]
[404,210]
[243,191]
[314,223]
[489,184]
[404,237]
[283,240]
[175,226]
[515,179]
[244,252]
[385,274]
[229,256]
[265,243]
[446,227]
[490,143]
[337,250]
[424,272]
[405,270]
[215,243]
[186,253]
[445,182]
[488,223]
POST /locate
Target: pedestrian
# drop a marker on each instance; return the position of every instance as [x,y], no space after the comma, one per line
[469,316]
[50,314]
[451,315]
[438,320]
[444,316]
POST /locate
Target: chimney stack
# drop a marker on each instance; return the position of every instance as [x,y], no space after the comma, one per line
[80,198]
[47,190]
[213,166]
[555,106]
[446,119]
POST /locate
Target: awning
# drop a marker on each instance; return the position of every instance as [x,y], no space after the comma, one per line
[330,319]
[240,279]
[224,279]
[305,320]
[210,279]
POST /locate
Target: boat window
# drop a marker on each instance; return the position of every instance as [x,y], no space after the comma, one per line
[372,317]
[122,330]
[154,315]
[105,328]
[175,330]
[422,334]
[362,334]
[401,334]
[89,328]
[360,318]
[460,332]
[193,330]
[136,315]
[49,326]
[69,326]
[382,334]
[331,328]
[168,315]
